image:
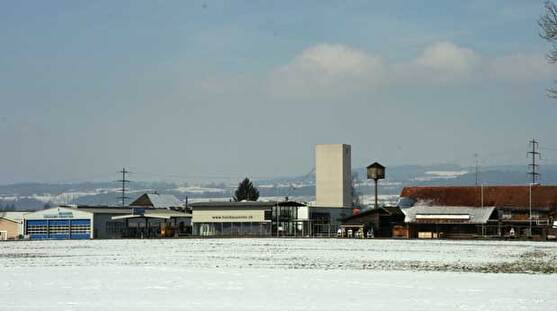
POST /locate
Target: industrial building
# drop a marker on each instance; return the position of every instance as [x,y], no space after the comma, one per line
[333,190]
[479,211]
[159,219]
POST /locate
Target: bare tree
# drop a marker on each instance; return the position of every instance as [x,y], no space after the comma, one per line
[548,25]
[356,203]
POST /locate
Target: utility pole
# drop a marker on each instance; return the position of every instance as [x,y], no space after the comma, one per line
[477,167]
[533,168]
[124,181]
[534,172]
[530,211]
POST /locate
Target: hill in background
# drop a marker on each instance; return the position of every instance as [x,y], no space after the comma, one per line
[30,196]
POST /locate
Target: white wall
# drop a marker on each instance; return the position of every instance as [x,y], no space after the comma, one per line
[333,175]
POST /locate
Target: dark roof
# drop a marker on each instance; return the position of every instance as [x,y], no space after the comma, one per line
[375,164]
[387,211]
[394,210]
[244,204]
[497,196]
[290,203]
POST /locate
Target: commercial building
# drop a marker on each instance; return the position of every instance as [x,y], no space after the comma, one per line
[246,218]
[59,223]
[11,225]
[154,217]
[479,211]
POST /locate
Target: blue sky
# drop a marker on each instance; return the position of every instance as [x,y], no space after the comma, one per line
[235,88]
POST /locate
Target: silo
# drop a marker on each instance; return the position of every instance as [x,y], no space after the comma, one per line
[333,176]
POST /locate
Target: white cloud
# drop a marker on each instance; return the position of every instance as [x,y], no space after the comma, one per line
[439,63]
[327,68]
[334,60]
[334,69]
[447,57]
[522,68]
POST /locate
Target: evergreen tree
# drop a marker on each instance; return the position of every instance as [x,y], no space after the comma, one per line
[246,191]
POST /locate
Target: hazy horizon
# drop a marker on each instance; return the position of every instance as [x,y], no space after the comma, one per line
[203,88]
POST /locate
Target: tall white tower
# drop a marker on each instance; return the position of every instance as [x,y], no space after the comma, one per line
[333,176]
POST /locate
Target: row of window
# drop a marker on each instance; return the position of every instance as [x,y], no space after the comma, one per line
[115,226]
[208,229]
[77,229]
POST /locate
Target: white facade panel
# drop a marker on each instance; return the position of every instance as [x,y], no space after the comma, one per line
[58,213]
[228,215]
[333,177]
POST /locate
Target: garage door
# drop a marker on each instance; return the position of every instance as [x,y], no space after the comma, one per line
[58,229]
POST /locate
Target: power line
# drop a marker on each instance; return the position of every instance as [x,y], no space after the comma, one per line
[533,168]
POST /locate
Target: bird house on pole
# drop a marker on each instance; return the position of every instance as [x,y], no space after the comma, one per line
[376,171]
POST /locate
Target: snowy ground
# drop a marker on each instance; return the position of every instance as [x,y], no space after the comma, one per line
[277,274]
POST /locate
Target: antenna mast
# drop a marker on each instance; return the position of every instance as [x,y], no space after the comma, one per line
[477,167]
[533,168]
[124,181]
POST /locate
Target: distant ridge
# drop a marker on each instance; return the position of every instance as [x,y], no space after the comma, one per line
[25,196]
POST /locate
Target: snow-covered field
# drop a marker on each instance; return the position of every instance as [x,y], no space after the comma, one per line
[277,274]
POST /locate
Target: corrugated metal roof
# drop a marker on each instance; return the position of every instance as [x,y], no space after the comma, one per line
[104,210]
[544,197]
[13,216]
[477,215]
[159,201]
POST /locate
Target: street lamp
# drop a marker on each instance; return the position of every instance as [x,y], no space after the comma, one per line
[376,171]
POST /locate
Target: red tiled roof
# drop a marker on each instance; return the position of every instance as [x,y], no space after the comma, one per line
[498,196]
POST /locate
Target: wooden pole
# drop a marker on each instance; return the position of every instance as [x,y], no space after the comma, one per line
[376,204]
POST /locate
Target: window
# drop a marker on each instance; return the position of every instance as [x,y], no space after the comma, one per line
[114,226]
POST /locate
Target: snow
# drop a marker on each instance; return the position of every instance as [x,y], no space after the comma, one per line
[448,174]
[59,198]
[435,175]
[383,199]
[198,189]
[275,274]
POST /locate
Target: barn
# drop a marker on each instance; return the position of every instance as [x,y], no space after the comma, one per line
[479,211]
